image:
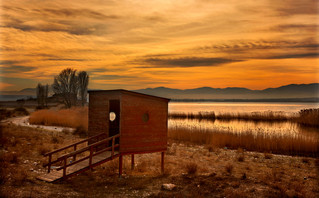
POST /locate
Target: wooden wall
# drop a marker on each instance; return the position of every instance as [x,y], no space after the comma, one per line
[99,111]
[140,136]
[136,134]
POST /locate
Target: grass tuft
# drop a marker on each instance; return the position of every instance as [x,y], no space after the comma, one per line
[191,168]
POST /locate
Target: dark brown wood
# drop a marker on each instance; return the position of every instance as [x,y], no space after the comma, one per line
[78,168]
[64,167]
[120,165]
[91,155]
[49,164]
[74,157]
[113,142]
[72,145]
[162,162]
[132,162]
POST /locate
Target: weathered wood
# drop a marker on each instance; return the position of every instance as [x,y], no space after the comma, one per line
[72,145]
[55,175]
[132,162]
[49,164]
[162,162]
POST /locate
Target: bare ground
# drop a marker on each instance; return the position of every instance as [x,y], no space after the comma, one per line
[197,171]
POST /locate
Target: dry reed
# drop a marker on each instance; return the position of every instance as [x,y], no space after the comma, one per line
[74,117]
[309,117]
[281,144]
[268,116]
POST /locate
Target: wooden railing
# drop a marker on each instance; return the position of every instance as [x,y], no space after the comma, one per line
[93,148]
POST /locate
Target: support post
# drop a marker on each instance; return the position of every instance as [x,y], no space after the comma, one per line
[64,167]
[120,165]
[162,163]
[49,165]
[74,157]
[90,159]
[132,162]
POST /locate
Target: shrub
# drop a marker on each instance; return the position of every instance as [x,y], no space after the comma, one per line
[241,158]
[229,168]
[267,155]
[80,131]
[191,168]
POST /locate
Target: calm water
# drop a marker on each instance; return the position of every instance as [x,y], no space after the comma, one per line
[277,128]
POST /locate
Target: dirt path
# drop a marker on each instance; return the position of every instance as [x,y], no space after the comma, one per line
[24,121]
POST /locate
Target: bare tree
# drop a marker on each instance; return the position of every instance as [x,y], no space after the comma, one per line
[83,80]
[66,85]
[46,94]
[42,95]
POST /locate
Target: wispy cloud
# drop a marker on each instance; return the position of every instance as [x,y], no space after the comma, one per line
[185,62]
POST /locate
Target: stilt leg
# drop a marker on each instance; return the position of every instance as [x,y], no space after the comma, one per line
[162,163]
[120,165]
[132,162]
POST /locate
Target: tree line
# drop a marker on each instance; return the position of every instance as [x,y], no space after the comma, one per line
[70,85]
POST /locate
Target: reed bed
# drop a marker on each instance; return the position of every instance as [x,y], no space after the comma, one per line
[268,116]
[74,117]
[308,117]
[279,144]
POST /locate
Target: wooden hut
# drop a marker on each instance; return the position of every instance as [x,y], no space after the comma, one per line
[140,120]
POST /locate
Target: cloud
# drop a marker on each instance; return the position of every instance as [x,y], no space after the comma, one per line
[295,7]
[185,62]
[71,20]
[67,59]
[296,27]
[244,46]
[110,77]
[9,62]
[286,56]
[17,69]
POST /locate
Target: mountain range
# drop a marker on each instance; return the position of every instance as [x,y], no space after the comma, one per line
[292,91]
[284,92]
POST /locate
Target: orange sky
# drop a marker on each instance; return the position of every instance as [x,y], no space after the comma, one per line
[184,44]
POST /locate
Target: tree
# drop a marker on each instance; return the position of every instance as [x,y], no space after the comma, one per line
[83,80]
[66,85]
[42,95]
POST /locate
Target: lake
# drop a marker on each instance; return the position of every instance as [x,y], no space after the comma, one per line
[237,126]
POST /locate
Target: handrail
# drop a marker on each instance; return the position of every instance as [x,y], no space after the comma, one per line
[74,144]
[73,154]
[87,157]
[85,148]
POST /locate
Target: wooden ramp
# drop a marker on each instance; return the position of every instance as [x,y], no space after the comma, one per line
[72,166]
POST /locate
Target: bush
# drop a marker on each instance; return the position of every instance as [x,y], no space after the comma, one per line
[80,131]
[191,168]
[229,168]
[21,111]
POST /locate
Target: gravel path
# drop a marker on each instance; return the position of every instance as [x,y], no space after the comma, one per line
[24,121]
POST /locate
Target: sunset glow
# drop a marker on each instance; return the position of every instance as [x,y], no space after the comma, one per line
[133,44]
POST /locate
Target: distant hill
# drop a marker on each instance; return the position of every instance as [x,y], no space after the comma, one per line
[289,91]
[292,91]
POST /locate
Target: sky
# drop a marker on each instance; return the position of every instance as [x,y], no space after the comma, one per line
[184,44]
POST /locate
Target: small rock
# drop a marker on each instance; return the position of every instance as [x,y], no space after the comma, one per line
[168,186]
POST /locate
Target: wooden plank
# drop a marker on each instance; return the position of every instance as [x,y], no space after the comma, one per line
[56,175]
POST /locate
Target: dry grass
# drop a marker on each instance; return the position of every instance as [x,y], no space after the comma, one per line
[268,116]
[191,168]
[74,117]
[229,169]
[309,117]
[281,144]
[281,176]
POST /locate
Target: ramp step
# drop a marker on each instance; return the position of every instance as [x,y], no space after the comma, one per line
[55,175]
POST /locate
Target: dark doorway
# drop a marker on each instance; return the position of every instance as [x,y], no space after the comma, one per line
[114,118]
